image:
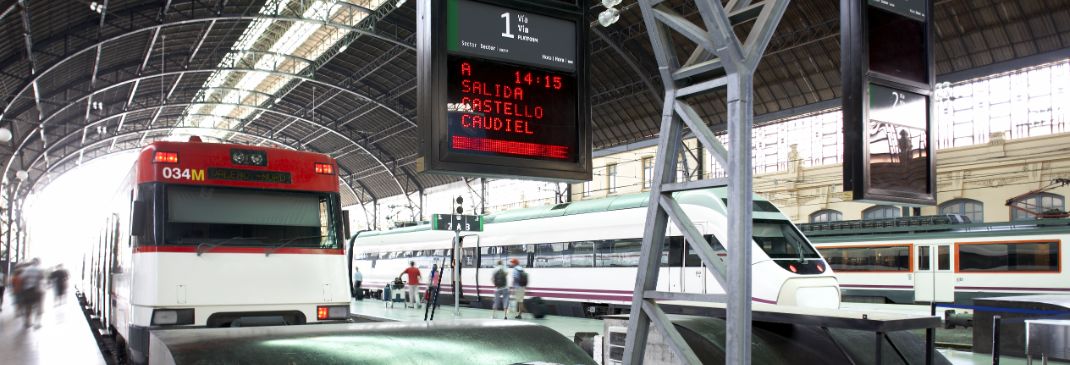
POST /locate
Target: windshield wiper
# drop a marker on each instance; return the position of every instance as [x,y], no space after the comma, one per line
[287,242]
[205,247]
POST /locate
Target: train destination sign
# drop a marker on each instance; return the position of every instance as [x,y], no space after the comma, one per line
[914,9]
[888,75]
[502,89]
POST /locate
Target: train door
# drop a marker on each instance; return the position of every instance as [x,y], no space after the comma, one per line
[686,270]
[934,279]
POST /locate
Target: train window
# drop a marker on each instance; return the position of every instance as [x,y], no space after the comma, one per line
[489,257]
[1009,257]
[469,258]
[551,255]
[758,206]
[248,217]
[780,240]
[518,252]
[886,258]
[619,253]
[923,258]
[582,254]
[943,258]
[673,254]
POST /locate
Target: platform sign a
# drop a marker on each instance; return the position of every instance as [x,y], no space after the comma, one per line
[502,89]
[888,79]
[457,222]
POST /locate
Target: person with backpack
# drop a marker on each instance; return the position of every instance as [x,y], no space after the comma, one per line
[520,283]
[501,291]
[30,293]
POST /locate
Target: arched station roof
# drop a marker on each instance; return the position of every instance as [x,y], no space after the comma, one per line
[80,80]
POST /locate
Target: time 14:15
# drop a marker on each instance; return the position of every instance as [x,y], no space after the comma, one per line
[547,81]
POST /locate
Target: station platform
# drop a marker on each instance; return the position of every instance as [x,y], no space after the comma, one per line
[377,310]
[63,338]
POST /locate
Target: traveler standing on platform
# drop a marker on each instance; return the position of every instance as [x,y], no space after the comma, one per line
[30,293]
[501,292]
[413,286]
[3,285]
[357,278]
[432,284]
[520,283]
[58,278]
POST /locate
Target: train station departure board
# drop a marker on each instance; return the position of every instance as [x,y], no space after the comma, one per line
[502,89]
[888,79]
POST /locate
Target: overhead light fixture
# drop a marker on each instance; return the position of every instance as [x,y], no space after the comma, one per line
[5,135]
[610,3]
[608,17]
[343,48]
[22,175]
[400,3]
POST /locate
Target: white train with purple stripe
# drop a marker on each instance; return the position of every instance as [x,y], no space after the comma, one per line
[943,258]
[581,257]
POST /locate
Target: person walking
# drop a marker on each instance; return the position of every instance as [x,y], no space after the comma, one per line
[357,278]
[30,293]
[3,286]
[58,278]
[520,283]
[413,285]
[501,292]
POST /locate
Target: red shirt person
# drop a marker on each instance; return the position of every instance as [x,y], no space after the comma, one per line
[413,282]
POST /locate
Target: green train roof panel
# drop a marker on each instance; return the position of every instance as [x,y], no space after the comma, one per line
[707,197]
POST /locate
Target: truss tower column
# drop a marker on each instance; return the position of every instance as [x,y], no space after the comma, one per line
[721,59]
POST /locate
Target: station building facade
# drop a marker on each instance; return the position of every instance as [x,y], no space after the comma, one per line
[999,136]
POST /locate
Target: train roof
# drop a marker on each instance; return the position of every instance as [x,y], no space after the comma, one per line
[938,229]
[703,197]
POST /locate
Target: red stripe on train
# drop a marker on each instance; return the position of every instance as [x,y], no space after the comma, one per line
[260,250]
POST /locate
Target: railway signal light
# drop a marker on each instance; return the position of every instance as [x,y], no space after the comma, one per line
[459,207]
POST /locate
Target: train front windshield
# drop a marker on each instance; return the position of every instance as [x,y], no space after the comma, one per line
[245,217]
[780,240]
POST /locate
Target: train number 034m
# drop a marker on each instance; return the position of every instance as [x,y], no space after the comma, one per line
[176,173]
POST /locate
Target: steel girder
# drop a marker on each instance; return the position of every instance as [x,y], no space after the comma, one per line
[39,128]
[156,28]
[105,119]
[718,51]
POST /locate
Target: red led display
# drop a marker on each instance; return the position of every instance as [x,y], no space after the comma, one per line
[520,111]
[508,147]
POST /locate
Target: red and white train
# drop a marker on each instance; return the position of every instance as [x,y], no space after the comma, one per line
[218,235]
[943,258]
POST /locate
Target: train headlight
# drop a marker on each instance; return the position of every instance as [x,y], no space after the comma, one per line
[248,157]
[172,317]
[327,312]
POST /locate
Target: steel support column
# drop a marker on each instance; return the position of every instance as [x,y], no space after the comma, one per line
[719,60]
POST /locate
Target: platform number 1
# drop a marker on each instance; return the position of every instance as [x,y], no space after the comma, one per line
[508,30]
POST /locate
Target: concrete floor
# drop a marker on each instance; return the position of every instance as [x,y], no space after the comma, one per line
[63,338]
[377,309]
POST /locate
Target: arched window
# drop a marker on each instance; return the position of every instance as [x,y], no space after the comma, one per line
[826,215]
[967,207]
[881,212]
[1039,202]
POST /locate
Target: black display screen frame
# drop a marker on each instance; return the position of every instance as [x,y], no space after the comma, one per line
[857,77]
[433,55]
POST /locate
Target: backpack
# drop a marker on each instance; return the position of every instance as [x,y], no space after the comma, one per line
[500,279]
[523,279]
